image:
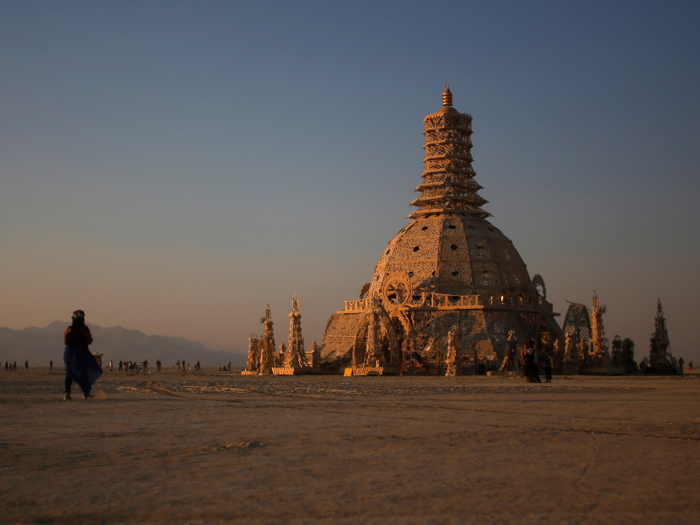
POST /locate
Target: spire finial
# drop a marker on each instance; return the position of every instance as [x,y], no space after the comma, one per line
[447,96]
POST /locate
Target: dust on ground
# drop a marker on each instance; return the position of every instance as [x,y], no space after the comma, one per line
[217,447]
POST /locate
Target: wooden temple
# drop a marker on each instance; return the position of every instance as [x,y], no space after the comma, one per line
[449,276]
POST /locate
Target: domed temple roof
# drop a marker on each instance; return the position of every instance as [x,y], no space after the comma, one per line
[448,266]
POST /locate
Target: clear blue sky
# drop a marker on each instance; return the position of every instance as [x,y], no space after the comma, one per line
[174,166]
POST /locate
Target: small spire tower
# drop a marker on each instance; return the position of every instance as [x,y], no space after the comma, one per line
[448,177]
[297,354]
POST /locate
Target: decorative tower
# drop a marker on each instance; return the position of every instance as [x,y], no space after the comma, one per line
[297,354]
[253,354]
[660,359]
[448,177]
[373,351]
[448,267]
[267,344]
[599,351]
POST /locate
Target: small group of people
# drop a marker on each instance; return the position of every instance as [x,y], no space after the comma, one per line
[188,366]
[125,365]
[226,367]
[10,367]
[532,359]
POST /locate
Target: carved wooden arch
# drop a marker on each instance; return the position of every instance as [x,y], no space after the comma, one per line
[539,290]
[578,322]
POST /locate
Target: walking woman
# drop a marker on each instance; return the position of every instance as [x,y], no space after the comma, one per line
[81,366]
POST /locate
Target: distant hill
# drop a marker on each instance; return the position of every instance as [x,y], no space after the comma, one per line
[40,345]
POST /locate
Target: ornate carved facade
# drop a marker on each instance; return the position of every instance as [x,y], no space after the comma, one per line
[448,267]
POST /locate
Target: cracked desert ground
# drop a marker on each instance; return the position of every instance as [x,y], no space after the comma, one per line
[215,447]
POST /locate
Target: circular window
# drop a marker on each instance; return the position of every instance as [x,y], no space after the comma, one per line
[416,248]
[480,246]
[424,228]
[453,247]
[472,228]
[454,273]
[452,226]
[410,274]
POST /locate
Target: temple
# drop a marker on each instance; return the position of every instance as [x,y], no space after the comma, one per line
[448,276]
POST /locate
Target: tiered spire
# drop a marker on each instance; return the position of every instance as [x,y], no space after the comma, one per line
[297,355]
[448,177]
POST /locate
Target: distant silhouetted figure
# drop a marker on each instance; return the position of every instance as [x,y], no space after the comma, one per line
[51,366]
[26,365]
[81,366]
[7,366]
[14,366]
[111,369]
[158,363]
[547,363]
[120,366]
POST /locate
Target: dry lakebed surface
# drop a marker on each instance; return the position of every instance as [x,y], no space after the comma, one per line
[217,447]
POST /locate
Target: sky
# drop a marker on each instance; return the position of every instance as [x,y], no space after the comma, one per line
[173,167]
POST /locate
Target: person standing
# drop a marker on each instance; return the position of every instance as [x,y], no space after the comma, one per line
[547,363]
[534,362]
[7,366]
[14,366]
[51,366]
[81,365]
[158,364]
[527,360]
[26,365]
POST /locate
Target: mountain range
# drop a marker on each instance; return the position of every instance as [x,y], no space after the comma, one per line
[40,345]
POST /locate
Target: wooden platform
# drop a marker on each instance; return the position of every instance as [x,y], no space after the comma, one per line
[504,373]
[384,370]
[300,371]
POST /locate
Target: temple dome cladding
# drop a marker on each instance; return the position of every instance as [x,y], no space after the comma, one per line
[448,267]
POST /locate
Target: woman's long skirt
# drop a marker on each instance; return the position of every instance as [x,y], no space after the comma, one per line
[81,367]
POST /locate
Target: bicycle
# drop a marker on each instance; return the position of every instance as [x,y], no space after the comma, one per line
[135,369]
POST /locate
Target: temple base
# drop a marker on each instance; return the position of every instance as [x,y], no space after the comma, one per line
[663,371]
[603,371]
[384,370]
[296,371]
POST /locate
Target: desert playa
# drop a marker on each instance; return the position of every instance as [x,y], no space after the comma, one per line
[216,447]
